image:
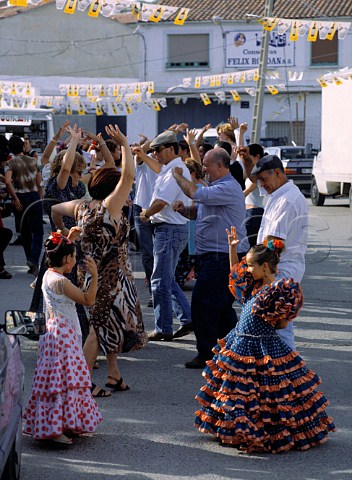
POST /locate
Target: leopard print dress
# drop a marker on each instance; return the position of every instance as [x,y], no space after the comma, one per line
[116,315]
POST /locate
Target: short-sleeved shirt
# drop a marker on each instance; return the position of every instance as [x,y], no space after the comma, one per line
[24,173]
[220,206]
[145,182]
[166,188]
[286,217]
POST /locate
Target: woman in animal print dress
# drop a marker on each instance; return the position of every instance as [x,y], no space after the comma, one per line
[115,319]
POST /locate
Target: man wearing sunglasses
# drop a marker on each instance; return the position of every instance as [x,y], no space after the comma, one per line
[171,237]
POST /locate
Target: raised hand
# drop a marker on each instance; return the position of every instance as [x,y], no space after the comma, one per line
[74,233]
[181,127]
[91,266]
[62,130]
[232,237]
[233,121]
[74,132]
[206,127]
[190,135]
[243,127]
[116,134]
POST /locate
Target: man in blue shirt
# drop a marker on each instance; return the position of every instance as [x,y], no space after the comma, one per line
[216,208]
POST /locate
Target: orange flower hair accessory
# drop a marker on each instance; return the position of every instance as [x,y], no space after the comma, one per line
[57,238]
[272,244]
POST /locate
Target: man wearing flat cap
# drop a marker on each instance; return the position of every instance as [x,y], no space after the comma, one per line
[285,217]
[170,238]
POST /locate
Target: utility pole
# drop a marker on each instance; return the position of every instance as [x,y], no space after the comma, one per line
[260,91]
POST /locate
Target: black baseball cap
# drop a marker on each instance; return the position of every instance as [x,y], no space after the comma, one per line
[269,162]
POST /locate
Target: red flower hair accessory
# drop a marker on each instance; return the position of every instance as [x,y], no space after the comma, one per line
[56,238]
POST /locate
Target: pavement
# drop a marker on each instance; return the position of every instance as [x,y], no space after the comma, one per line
[148,432]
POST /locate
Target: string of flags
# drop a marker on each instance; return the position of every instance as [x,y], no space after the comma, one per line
[144,12]
[219,80]
[337,77]
[312,28]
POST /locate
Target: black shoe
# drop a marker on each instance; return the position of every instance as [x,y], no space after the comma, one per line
[33,268]
[158,336]
[150,302]
[16,242]
[196,362]
[184,330]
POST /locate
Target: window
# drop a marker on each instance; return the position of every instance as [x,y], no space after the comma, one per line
[187,51]
[325,52]
[286,131]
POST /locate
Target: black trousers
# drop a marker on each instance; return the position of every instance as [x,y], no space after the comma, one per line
[212,314]
[5,237]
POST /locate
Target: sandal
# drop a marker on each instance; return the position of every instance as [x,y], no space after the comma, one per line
[99,393]
[62,439]
[116,387]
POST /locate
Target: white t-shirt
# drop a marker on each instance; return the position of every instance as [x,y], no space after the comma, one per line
[167,189]
[286,216]
[254,199]
[145,182]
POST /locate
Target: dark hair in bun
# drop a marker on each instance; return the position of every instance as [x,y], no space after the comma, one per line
[57,247]
[269,251]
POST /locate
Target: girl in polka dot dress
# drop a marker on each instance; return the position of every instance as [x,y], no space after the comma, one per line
[61,402]
[259,395]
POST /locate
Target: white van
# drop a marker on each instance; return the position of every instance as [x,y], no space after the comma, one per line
[35,124]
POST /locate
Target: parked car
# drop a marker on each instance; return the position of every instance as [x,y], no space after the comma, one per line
[298,163]
[11,386]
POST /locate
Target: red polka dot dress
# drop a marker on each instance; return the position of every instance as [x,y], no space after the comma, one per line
[61,400]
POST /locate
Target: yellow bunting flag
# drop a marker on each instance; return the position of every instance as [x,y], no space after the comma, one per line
[294,31]
[115,90]
[181,16]
[136,10]
[114,108]
[156,105]
[337,80]
[156,16]
[230,79]
[256,75]
[197,82]
[151,87]
[272,89]
[137,88]
[128,108]
[102,91]
[313,32]
[205,98]
[235,95]
[18,3]
[81,110]
[98,110]
[331,34]
[270,24]
[13,89]
[68,109]
[70,8]
[94,9]
[322,82]
[212,81]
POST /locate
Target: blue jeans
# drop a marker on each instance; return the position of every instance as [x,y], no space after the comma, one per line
[212,313]
[169,241]
[145,232]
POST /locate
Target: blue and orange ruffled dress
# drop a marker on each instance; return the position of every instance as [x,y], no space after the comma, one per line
[259,395]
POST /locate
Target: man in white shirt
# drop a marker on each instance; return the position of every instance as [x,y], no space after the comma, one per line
[285,217]
[171,237]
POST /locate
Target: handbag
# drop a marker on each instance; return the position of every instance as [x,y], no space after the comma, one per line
[6,208]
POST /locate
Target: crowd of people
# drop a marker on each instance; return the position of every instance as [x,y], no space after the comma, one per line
[201,211]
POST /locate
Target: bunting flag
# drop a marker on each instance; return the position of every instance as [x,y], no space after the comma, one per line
[313,29]
[143,11]
[338,77]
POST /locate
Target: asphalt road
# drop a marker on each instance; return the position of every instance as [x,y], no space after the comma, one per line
[148,432]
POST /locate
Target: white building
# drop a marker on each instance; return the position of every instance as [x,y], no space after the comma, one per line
[167,53]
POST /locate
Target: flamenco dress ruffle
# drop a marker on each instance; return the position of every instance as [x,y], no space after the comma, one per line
[259,395]
[61,400]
